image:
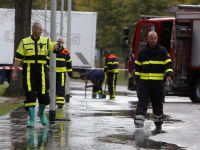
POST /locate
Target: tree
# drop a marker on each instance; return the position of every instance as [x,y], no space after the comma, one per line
[22,30]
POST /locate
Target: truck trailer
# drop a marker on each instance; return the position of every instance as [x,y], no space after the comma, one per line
[180,36]
[83,37]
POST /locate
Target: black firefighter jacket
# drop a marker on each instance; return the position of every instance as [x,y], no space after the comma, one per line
[153,64]
[63,62]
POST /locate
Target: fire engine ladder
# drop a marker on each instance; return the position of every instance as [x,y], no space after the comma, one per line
[183,8]
[149,17]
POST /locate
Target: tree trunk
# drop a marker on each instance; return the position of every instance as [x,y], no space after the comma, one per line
[22,30]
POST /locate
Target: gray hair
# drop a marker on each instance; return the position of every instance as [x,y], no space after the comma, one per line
[152,32]
[60,37]
[35,24]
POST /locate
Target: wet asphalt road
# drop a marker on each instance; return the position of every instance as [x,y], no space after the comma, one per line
[103,124]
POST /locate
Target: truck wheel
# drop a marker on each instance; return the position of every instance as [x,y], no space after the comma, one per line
[2,76]
[195,94]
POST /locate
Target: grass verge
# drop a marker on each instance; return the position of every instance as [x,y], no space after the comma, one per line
[8,105]
[2,88]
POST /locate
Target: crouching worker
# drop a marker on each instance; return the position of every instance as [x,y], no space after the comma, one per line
[32,51]
[97,77]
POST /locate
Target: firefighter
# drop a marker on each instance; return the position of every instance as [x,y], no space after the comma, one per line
[151,65]
[32,51]
[63,64]
[111,70]
[97,77]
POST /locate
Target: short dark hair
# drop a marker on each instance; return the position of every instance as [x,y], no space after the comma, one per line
[106,52]
[82,75]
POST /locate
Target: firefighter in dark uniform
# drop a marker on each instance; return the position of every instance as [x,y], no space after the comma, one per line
[151,65]
[32,51]
[111,70]
[63,64]
[97,77]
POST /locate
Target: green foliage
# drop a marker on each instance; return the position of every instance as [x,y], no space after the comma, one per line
[114,15]
[7,4]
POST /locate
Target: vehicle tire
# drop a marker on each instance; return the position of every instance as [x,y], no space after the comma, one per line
[195,93]
[2,76]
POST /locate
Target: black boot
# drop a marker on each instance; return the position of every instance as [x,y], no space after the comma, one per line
[139,121]
[60,106]
[158,128]
[139,125]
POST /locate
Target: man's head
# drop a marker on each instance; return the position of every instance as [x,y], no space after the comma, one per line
[36,30]
[83,76]
[106,53]
[60,40]
[152,38]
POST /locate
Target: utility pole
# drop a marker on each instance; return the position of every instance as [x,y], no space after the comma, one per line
[61,18]
[52,112]
[45,19]
[67,84]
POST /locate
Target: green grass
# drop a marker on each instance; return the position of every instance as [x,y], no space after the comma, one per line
[2,88]
[121,79]
[8,106]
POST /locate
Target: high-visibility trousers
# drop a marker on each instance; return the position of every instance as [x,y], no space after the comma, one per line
[112,81]
[60,87]
[35,82]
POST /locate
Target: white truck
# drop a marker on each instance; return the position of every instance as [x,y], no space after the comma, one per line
[83,37]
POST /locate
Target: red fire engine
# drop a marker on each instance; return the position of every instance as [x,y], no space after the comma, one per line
[180,35]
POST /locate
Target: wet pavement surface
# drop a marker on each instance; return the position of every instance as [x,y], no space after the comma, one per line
[101,124]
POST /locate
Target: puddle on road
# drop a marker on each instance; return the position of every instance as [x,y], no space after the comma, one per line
[61,136]
[140,140]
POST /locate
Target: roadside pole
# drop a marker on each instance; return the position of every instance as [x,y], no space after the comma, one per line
[45,19]
[52,112]
[61,34]
[61,18]
[67,84]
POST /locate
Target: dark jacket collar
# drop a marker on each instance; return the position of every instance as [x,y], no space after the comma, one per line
[35,39]
[150,49]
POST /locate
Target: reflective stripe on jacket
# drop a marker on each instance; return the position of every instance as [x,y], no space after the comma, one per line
[34,50]
[153,64]
[63,62]
[111,64]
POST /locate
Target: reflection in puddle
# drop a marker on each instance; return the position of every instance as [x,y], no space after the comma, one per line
[140,140]
[41,138]
[126,113]
[66,134]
